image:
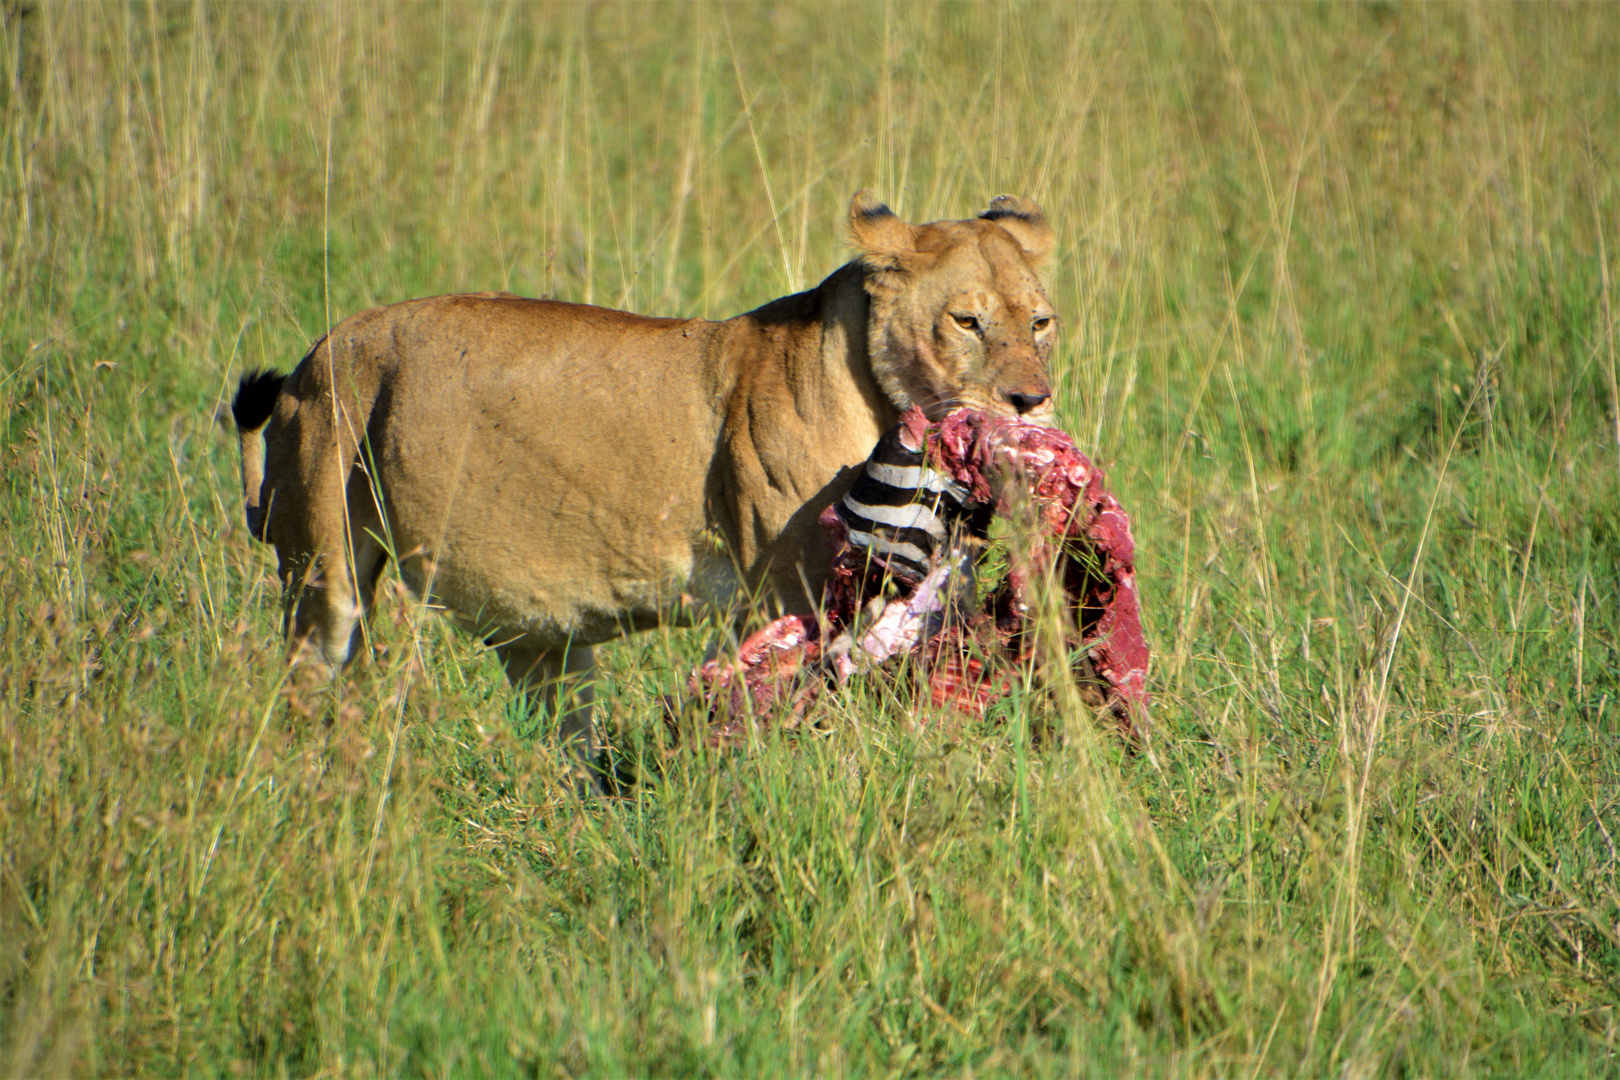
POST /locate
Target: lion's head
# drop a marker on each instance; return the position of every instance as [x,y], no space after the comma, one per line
[958,313]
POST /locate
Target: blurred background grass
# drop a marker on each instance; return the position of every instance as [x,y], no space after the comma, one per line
[1337,285]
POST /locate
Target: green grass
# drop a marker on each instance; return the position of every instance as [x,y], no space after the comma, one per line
[1339,294]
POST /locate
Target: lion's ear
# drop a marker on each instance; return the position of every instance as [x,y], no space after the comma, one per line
[882,237]
[1027,224]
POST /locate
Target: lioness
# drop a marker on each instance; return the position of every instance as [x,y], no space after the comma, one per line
[557,475]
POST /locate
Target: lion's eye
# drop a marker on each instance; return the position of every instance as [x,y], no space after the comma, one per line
[970,323]
[1041,323]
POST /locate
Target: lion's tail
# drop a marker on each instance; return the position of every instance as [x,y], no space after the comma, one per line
[254,402]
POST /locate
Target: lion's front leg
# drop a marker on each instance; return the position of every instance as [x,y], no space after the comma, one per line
[562,679]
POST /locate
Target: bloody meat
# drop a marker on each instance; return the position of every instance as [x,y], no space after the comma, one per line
[965,648]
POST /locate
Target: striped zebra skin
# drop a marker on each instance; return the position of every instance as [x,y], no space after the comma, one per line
[904,514]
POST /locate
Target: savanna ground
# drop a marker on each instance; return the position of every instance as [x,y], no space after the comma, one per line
[1339,293]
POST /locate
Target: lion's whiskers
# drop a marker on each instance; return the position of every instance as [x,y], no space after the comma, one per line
[938,404]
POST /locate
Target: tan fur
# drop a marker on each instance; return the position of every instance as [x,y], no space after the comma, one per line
[557,475]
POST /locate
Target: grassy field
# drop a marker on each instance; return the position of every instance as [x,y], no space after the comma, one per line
[1339,287]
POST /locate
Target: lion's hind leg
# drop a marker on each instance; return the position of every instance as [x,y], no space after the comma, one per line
[560,679]
[325,520]
[331,559]
[327,601]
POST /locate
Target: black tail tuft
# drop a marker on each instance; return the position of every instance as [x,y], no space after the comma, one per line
[256,399]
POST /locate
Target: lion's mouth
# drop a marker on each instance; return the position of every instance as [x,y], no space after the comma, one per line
[943,406]
[941,403]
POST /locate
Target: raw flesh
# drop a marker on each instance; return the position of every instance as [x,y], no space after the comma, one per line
[966,650]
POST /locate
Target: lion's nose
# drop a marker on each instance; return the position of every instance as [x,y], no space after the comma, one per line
[1029,399]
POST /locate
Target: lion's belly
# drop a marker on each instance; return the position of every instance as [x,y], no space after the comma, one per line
[540,538]
[570,573]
